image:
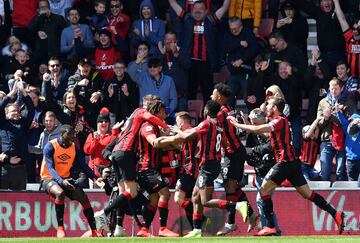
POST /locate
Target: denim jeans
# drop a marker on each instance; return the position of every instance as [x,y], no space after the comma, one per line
[260,205]
[310,173]
[353,168]
[327,153]
[182,103]
[236,82]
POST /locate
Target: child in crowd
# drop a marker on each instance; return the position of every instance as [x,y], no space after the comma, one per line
[310,151]
[99,20]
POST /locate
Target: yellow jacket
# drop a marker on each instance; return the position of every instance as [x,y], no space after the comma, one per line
[246,9]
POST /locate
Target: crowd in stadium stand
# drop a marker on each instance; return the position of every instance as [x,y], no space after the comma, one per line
[90,63]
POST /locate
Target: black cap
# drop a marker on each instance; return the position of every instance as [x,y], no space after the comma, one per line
[84,61]
[288,5]
[104,32]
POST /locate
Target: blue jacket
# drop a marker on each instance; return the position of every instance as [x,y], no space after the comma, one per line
[166,91]
[157,30]
[352,144]
[81,48]
[13,134]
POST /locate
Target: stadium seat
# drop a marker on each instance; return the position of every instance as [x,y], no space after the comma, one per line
[345,184]
[319,184]
[33,186]
[196,106]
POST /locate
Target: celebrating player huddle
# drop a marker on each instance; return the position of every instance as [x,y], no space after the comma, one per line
[204,152]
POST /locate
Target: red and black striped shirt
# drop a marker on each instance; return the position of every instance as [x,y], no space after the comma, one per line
[230,131]
[128,138]
[149,156]
[352,52]
[199,48]
[210,137]
[189,162]
[309,151]
[280,138]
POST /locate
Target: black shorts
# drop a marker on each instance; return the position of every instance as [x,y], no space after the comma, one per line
[151,181]
[288,170]
[45,185]
[208,172]
[124,165]
[232,165]
[186,184]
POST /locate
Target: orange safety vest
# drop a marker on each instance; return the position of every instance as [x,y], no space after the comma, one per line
[63,161]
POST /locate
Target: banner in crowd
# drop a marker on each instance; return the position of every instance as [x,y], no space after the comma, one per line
[32,214]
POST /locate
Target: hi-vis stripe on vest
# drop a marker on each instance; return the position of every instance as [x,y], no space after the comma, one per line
[63,161]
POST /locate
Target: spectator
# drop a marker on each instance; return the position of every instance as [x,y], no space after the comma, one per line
[352,144]
[106,53]
[33,133]
[331,144]
[249,11]
[21,62]
[316,82]
[176,62]
[119,20]
[142,58]
[13,45]
[290,84]
[69,112]
[148,28]
[22,15]
[284,51]
[310,151]
[50,132]
[329,35]
[260,81]
[293,26]
[99,20]
[154,82]
[98,140]
[77,39]
[199,35]
[60,7]
[238,48]
[352,39]
[351,84]
[13,128]
[86,85]
[47,28]
[58,79]
[122,96]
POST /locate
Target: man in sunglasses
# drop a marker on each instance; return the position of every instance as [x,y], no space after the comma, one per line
[118,20]
[58,77]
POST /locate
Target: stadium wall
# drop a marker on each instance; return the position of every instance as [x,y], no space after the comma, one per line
[32,214]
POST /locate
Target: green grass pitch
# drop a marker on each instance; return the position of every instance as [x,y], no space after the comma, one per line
[282,239]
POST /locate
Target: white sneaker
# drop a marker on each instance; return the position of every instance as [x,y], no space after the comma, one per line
[101,219]
[119,231]
[227,229]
